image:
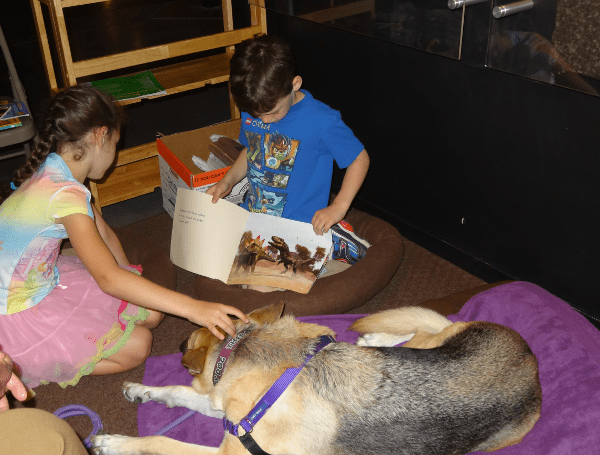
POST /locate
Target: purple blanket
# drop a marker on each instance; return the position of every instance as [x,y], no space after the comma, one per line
[566,345]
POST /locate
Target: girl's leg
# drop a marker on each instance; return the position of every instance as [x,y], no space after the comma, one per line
[152,320]
[133,354]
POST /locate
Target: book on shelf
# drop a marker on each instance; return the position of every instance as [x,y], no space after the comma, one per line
[11,109]
[228,243]
[10,123]
[4,108]
[141,85]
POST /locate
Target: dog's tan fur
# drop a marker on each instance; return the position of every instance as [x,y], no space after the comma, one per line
[311,417]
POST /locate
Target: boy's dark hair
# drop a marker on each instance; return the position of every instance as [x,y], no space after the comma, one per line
[72,114]
[262,70]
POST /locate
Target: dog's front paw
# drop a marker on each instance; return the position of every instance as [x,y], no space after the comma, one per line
[136,393]
[382,339]
[113,444]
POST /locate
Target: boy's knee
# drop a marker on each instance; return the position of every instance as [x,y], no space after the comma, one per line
[33,431]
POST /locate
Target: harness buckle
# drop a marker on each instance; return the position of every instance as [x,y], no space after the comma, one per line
[250,425]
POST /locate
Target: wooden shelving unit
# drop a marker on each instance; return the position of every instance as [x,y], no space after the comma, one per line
[136,170]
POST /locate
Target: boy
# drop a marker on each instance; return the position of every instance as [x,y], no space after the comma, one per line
[291,140]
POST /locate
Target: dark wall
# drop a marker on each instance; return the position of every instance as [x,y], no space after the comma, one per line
[502,168]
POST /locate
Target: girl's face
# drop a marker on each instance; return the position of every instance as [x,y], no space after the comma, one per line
[104,155]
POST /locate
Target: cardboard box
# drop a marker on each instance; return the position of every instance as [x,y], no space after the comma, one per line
[177,170]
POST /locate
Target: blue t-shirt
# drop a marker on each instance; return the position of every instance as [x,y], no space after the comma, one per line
[290,163]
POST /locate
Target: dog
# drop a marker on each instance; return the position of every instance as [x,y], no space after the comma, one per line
[453,388]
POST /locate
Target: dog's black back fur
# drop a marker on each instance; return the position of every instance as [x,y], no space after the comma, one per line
[446,400]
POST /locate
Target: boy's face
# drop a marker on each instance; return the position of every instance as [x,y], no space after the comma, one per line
[284,104]
[280,110]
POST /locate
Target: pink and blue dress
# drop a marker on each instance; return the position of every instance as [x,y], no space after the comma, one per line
[55,321]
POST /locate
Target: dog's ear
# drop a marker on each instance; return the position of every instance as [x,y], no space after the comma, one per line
[197,347]
[267,314]
[193,360]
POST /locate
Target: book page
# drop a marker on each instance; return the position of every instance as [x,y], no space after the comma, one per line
[279,253]
[206,236]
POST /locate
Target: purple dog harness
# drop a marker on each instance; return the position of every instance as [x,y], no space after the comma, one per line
[268,399]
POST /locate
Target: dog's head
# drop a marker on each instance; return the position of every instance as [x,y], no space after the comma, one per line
[202,341]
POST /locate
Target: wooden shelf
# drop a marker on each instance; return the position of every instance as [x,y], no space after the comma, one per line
[133,154]
[136,171]
[185,76]
[129,181]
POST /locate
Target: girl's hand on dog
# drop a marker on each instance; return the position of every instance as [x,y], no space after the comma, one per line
[9,381]
[213,315]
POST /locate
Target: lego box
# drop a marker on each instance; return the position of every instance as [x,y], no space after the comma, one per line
[177,168]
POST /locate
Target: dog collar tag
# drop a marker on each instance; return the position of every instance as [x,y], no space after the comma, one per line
[230,345]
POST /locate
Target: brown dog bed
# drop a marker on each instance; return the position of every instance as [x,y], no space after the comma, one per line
[333,294]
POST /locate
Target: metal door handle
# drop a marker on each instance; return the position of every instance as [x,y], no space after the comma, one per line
[455,4]
[512,8]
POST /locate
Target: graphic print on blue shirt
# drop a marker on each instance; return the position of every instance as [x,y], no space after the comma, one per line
[270,164]
[280,152]
[254,152]
[276,180]
[264,201]
[291,161]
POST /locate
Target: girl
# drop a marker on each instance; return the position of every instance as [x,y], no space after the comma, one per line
[62,317]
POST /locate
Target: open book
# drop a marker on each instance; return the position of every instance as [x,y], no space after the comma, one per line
[10,110]
[228,243]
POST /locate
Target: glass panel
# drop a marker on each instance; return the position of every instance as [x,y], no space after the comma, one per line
[556,41]
[428,25]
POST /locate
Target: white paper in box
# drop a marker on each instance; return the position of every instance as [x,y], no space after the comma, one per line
[177,170]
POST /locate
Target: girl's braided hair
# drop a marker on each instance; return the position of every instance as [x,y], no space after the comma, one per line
[73,113]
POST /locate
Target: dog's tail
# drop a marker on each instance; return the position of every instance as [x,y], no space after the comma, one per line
[401,322]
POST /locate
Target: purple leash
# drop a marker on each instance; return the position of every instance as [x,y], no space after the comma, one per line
[175,422]
[77,410]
